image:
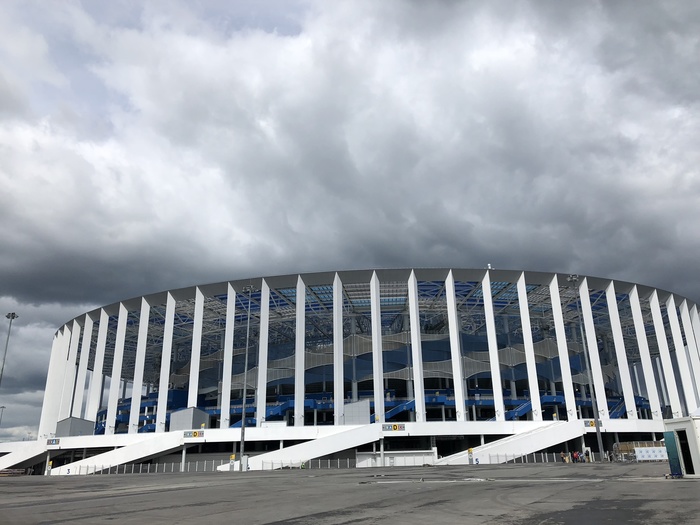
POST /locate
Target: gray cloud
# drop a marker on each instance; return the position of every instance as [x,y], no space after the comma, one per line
[158,146]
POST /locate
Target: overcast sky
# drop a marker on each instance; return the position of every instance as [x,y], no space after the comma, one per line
[147,146]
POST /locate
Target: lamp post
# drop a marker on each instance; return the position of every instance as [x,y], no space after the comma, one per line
[249,290]
[11,316]
[574,280]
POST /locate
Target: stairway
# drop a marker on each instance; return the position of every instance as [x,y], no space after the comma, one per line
[298,454]
[548,435]
[153,445]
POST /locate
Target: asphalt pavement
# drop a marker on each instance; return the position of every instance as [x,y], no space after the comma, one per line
[527,494]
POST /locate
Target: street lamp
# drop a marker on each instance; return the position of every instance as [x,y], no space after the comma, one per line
[574,280]
[249,290]
[11,316]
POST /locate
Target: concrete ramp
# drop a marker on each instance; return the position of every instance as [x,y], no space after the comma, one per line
[26,453]
[298,454]
[154,445]
[517,445]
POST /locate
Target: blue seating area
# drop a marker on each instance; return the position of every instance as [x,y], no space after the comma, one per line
[323,401]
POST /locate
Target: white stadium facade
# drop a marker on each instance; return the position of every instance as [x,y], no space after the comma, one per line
[368,367]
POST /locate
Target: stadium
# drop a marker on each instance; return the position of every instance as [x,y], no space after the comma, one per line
[367,367]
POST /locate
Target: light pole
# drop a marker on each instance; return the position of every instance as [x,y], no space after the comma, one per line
[249,290]
[2,410]
[574,280]
[11,316]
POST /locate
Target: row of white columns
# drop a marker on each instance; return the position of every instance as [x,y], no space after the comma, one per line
[65,386]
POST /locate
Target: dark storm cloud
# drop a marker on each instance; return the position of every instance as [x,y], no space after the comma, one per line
[151,147]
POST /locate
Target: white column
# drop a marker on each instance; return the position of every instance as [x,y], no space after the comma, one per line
[196,348]
[416,348]
[166,354]
[377,349]
[69,376]
[300,354]
[665,355]
[620,353]
[563,349]
[660,374]
[135,409]
[455,347]
[529,350]
[683,365]
[54,385]
[114,386]
[493,347]
[338,353]
[695,321]
[636,378]
[225,421]
[95,392]
[593,355]
[692,348]
[645,356]
[261,392]
[82,367]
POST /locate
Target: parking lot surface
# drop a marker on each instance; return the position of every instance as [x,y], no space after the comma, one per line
[489,494]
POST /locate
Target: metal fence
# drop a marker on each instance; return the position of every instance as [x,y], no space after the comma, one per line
[144,468]
[544,457]
[315,464]
[201,466]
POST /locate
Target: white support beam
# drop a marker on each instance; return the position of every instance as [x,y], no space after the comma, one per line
[377,349]
[593,354]
[416,349]
[261,392]
[620,351]
[338,354]
[166,354]
[95,392]
[662,382]
[196,348]
[562,349]
[455,347]
[114,384]
[493,347]
[54,385]
[225,420]
[665,354]
[140,360]
[299,353]
[69,376]
[532,381]
[645,355]
[681,357]
[692,348]
[695,321]
[82,368]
